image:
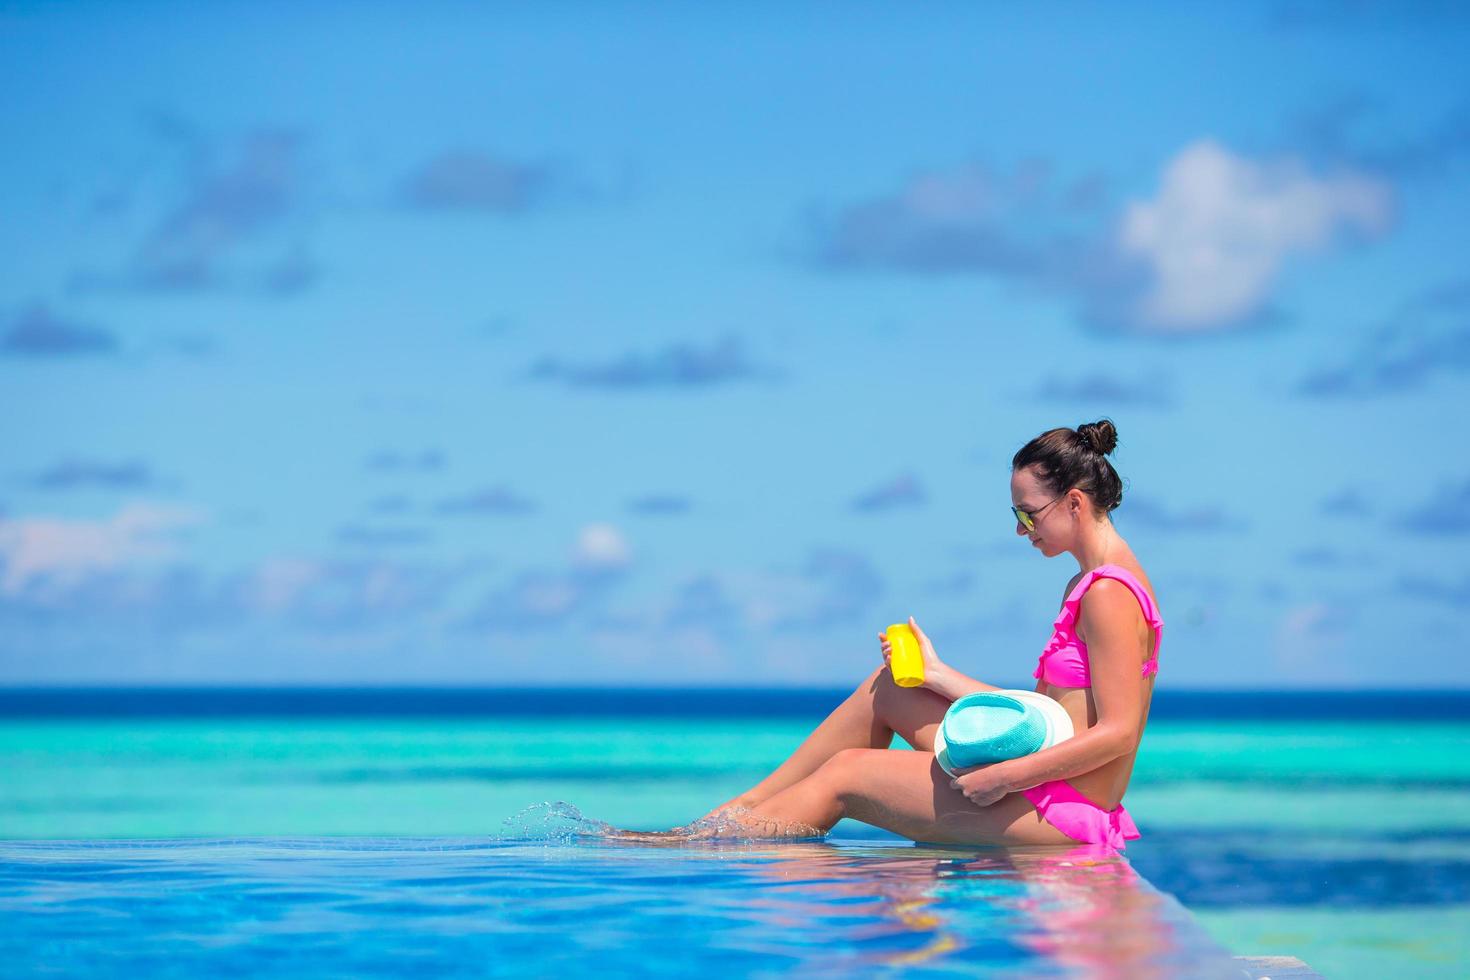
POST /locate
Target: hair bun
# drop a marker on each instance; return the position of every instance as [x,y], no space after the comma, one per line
[1101,435]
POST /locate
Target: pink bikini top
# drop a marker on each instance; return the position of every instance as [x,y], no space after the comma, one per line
[1064,661]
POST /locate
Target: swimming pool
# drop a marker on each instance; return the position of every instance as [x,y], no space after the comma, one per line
[1345,841]
[553,903]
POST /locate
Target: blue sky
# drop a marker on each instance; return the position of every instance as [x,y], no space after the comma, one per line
[644,344]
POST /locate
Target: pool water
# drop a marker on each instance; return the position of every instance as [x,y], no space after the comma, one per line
[550,901]
[1342,841]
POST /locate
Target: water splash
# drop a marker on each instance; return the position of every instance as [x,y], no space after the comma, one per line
[735,823]
[559,822]
[554,822]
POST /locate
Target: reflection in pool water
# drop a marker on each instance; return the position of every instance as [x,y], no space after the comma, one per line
[562,900]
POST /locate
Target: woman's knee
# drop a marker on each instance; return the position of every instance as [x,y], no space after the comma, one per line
[841,772]
[879,675]
[888,694]
[871,688]
[884,690]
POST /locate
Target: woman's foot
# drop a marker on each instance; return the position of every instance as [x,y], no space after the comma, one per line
[739,821]
[647,836]
[731,820]
[742,801]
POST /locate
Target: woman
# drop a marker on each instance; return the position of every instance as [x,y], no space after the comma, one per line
[1099,665]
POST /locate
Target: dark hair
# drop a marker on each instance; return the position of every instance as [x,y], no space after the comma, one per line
[1066,458]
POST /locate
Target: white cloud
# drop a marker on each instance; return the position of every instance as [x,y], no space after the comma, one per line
[549,597]
[1222,225]
[64,551]
[276,583]
[601,546]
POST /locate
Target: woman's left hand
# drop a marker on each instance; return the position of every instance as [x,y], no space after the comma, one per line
[982,785]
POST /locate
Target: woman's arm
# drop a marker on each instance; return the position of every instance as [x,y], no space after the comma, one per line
[952,685]
[1109,618]
[939,676]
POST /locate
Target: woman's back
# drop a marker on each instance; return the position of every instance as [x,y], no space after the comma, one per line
[1065,672]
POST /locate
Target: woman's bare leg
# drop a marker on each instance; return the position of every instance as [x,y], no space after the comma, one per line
[903,792]
[875,711]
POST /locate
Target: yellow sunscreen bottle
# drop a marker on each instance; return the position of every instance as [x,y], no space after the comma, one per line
[905,660]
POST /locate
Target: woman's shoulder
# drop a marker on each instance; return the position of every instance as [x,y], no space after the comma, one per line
[1131,570]
[1110,585]
[1072,584]
[1095,574]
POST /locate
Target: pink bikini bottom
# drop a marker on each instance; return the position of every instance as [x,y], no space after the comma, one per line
[1078,817]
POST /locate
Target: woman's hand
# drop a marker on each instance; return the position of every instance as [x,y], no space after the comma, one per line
[933,666]
[982,785]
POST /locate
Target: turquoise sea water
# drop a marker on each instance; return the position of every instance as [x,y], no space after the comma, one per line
[1346,843]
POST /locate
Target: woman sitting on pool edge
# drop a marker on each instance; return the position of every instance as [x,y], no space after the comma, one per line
[1099,665]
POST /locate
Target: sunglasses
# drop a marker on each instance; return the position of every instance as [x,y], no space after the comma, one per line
[1029,519]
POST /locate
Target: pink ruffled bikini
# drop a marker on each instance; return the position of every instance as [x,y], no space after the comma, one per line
[1064,663]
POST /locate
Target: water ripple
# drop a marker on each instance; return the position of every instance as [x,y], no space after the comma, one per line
[552,898]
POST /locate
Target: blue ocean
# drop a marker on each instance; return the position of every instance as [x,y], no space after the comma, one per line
[452,832]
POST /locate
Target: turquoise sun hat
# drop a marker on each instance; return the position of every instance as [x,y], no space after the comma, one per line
[992,726]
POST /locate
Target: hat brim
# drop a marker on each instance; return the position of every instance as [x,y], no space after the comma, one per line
[941,750]
[1058,723]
